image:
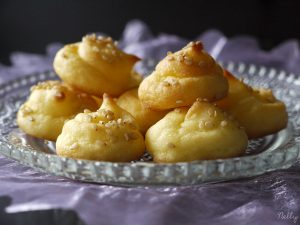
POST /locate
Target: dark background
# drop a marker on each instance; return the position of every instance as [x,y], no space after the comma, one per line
[28,25]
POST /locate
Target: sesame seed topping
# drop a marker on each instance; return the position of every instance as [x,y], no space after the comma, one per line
[181,58]
[223,123]
[166,84]
[87,118]
[26,110]
[201,124]
[210,112]
[87,111]
[130,136]
[95,49]
[95,127]
[172,81]
[179,102]
[119,121]
[59,95]
[215,113]
[73,146]
[170,58]
[209,124]
[188,61]
[126,136]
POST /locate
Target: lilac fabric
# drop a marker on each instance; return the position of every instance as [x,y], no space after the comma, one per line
[272,198]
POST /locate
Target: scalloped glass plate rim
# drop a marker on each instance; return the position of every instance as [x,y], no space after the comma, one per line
[8,149]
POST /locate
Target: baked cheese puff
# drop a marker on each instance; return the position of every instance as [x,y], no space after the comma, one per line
[201,132]
[182,77]
[49,105]
[144,116]
[110,134]
[96,66]
[257,110]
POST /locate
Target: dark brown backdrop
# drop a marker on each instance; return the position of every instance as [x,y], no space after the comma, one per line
[29,25]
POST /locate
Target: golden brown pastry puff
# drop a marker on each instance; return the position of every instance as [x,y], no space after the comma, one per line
[97,66]
[257,110]
[144,116]
[182,77]
[110,134]
[197,133]
[49,105]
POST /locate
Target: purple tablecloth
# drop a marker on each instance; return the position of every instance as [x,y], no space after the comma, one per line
[272,198]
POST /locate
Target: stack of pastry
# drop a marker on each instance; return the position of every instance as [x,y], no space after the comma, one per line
[188,109]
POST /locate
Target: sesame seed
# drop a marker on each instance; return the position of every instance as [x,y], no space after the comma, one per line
[187,61]
[87,118]
[95,127]
[166,84]
[170,58]
[210,112]
[87,111]
[208,124]
[215,113]
[181,58]
[172,81]
[126,136]
[73,146]
[223,123]
[59,95]
[109,117]
[95,49]
[201,124]
[100,37]
[130,136]
[179,102]
[26,110]
[119,121]
[101,122]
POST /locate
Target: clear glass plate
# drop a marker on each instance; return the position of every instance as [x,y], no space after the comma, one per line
[273,152]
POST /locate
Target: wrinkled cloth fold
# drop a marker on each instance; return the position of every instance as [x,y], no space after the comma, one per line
[272,198]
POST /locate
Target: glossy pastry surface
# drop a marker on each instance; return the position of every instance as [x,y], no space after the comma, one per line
[144,116]
[96,66]
[201,132]
[182,77]
[257,110]
[49,105]
[110,134]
